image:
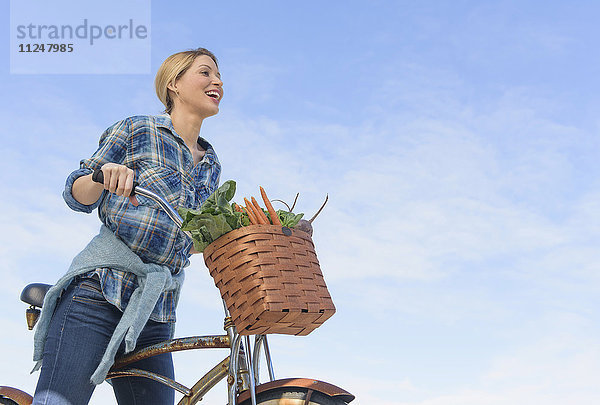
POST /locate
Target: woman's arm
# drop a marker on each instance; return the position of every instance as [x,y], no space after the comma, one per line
[81,192]
[118,179]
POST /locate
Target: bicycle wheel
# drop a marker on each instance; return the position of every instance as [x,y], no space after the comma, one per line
[20,397]
[293,396]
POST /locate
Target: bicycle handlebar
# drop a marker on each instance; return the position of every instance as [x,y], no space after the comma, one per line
[98,177]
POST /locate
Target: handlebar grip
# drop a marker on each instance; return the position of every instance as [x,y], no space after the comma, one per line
[98,177]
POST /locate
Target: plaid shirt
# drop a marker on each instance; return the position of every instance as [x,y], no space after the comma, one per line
[162,163]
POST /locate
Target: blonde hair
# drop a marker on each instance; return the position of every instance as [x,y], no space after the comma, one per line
[172,69]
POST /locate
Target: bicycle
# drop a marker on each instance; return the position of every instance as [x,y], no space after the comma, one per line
[240,367]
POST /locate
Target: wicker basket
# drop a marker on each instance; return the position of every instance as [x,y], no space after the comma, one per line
[270,279]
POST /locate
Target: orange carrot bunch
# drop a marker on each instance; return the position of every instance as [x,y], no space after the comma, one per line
[255,213]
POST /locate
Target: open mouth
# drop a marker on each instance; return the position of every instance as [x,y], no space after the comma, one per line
[213,94]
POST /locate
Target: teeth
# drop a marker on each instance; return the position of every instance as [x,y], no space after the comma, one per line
[213,93]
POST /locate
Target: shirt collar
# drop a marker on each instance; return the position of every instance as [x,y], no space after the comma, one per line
[164,120]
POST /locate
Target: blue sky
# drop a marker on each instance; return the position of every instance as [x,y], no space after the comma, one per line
[457,142]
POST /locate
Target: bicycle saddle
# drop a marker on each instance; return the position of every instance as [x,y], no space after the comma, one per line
[34,294]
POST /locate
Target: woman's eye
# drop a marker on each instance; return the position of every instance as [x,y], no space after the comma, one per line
[205,73]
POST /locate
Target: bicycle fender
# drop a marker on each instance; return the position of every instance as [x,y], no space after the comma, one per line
[20,397]
[315,385]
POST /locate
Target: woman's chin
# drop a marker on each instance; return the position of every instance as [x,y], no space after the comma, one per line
[214,111]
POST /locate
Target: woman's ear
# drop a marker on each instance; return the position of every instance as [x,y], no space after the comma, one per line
[171,86]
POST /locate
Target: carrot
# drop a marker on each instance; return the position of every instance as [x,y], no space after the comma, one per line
[274,217]
[250,211]
[237,208]
[260,212]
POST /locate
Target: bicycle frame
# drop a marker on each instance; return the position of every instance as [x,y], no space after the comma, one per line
[235,366]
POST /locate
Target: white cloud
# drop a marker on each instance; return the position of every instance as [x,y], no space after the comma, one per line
[555,362]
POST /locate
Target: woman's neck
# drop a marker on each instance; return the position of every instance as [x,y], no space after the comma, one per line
[187,127]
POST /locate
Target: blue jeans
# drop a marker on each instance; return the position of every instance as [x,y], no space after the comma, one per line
[79,332]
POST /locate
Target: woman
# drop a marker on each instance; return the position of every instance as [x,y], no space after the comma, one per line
[122,289]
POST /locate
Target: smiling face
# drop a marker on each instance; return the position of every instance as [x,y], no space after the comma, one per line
[200,89]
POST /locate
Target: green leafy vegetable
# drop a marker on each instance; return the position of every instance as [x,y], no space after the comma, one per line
[289,219]
[217,216]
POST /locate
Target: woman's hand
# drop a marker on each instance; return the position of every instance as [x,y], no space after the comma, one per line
[118,179]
